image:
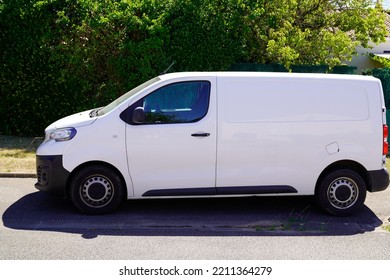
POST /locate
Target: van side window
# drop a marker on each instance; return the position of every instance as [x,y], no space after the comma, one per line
[183,102]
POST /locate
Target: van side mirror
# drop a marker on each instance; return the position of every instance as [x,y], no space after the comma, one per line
[138,115]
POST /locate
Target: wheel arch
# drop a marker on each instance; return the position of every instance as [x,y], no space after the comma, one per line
[94,163]
[346,164]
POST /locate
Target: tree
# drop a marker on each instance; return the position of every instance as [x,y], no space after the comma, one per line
[309,31]
[62,56]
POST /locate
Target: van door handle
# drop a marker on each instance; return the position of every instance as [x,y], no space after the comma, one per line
[200,134]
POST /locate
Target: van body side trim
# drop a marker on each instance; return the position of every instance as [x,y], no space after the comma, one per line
[181,192]
[221,191]
[256,190]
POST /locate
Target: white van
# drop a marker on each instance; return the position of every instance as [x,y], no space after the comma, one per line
[223,134]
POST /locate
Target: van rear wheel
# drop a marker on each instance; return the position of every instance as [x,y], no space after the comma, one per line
[97,190]
[341,192]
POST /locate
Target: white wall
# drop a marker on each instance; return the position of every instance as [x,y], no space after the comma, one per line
[363,61]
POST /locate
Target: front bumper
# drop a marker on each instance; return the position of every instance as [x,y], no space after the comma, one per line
[379,180]
[51,174]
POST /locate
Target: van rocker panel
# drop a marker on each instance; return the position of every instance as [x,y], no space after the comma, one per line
[221,191]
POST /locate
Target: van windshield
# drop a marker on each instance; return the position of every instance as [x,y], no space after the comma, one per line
[126,96]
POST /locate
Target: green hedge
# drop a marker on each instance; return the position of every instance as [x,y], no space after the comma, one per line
[63,56]
[384,75]
[59,57]
[274,67]
[256,67]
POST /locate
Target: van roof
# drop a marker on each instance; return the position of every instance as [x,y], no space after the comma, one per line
[268,75]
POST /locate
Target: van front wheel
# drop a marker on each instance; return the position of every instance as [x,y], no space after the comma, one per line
[96,190]
[341,192]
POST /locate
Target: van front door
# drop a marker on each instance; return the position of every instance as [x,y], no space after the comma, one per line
[171,146]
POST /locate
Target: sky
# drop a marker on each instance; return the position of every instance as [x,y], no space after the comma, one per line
[386,4]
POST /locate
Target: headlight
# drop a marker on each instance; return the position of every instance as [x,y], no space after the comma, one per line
[62,134]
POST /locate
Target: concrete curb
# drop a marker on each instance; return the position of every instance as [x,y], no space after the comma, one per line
[17,175]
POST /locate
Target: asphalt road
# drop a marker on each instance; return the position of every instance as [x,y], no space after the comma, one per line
[40,227]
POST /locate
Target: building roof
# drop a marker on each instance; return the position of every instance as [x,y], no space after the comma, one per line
[387,23]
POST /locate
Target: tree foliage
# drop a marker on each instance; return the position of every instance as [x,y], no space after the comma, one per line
[63,56]
[310,31]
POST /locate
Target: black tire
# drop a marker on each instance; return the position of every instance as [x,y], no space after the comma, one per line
[341,192]
[97,190]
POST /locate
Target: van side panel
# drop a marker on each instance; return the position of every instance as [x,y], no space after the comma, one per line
[287,130]
[294,101]
[102,142]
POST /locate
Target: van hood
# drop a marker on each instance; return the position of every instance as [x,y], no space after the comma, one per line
[75,120]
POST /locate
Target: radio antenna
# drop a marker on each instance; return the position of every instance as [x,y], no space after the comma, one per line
[169,67]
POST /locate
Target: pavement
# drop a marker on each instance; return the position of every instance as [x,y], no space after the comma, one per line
[37,226]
